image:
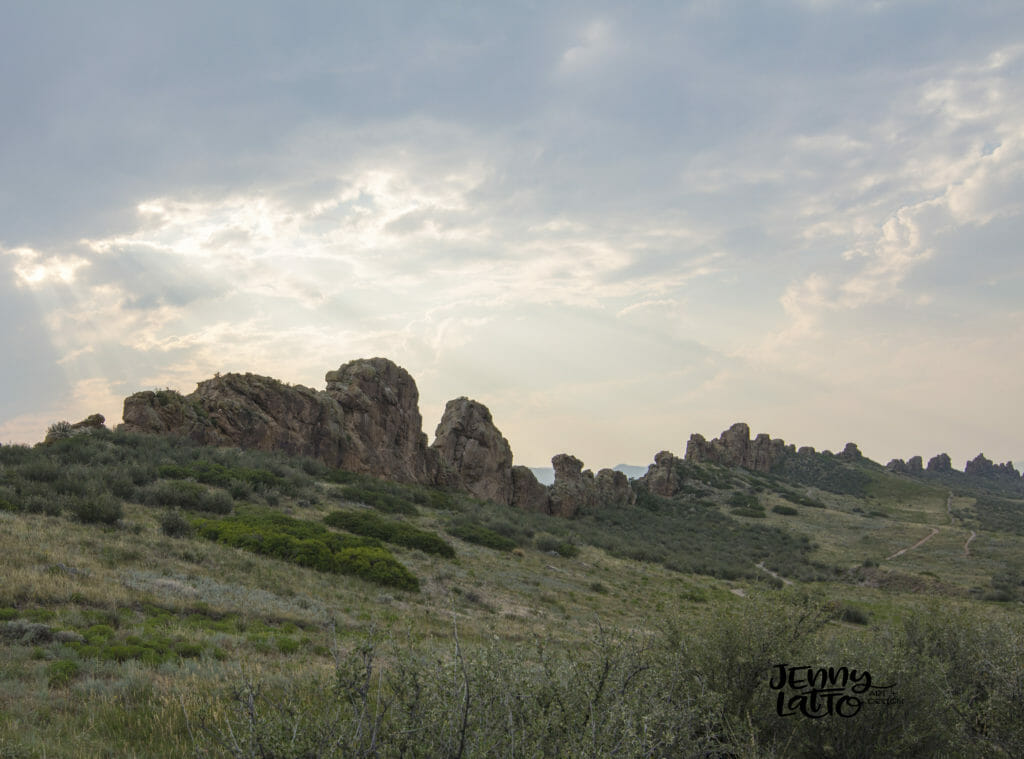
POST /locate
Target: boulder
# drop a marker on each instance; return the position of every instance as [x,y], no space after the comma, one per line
[574,491]
[613,489]
[915,465]
[663,477]
[382,422]
[940,463]
[528,493]
[899,466]
[472,452]
[850,453]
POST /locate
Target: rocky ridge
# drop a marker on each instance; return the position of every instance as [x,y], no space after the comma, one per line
[367,420]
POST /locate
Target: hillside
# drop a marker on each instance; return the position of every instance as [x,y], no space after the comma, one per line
[167,598]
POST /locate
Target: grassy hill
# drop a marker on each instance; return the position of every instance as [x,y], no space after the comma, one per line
[163,599]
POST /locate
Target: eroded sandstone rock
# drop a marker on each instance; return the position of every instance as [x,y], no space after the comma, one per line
[662,476]
[528,493]
[735,448]
[472,452]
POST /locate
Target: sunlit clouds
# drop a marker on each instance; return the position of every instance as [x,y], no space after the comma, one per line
[614,229]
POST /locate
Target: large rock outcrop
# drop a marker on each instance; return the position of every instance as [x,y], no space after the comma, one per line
[528,493]
[662,476]
[982,466]
[380,405]
[735,448]
[940,463]
[613,489]
[573,489]
[367,420]
[473,454]
[577,491]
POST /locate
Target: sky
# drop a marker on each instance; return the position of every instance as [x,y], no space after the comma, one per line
[613,224]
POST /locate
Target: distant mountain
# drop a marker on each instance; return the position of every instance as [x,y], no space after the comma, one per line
[546,475]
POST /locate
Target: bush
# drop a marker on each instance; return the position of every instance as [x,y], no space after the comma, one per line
[788,511]
[61,672]
[472,532]
[174,525]
[101,508]
[551,544]
[187,495]
[751,513]
[308,545]
[390,531]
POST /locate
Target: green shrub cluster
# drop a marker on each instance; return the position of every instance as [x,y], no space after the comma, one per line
[826,472]
[788,511]
[214,473]
[1000,514]
[473,532]
[186,495]
[551,544]
[390,531]
[388,496]
[309,545]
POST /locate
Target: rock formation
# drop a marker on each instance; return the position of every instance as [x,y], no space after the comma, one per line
[981,466]
[915,465]
[472,452]
[527,493]
[940,463]
[662,476]
[380,404]
[613,489]
[735,448]
[367,420]
[574,490]
[850,453]
[577,491]
[60,430]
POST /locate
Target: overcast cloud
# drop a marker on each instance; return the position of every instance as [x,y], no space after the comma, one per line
[612,224]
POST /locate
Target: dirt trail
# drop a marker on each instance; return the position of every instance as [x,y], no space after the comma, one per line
[763,568]
[921,542]
[949,511]
[967,549]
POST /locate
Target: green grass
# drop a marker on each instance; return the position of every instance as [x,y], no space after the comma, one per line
[130,639]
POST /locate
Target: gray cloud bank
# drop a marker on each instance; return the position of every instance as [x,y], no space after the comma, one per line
[614,228]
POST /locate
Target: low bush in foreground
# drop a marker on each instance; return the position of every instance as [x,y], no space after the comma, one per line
[942,684]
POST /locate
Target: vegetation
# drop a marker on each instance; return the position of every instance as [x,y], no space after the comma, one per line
[276,622]
[390,531]
[308,545]
[473,532]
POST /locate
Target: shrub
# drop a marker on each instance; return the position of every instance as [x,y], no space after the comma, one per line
[549,543]
[390,531]
[853,615]
[101,508]
[785,510]
[187,495]
[61,672]
[751,513]
[472,532]
[174,525]
[309,545]
[744,500]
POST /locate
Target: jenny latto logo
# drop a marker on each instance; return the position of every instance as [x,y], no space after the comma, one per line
[817,692]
